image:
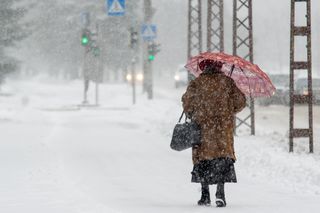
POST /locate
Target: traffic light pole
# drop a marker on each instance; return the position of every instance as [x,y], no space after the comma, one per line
[85,39]
[85,79]
[91,62]
[150,81]
[133,46]
[97,92]
[98,61]
[133,81]
[147,65]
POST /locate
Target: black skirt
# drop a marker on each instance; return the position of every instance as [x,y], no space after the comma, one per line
[220,170]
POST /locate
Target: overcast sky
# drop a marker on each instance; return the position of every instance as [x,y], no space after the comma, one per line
[271,32]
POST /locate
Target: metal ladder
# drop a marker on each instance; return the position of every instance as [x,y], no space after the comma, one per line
[299,66]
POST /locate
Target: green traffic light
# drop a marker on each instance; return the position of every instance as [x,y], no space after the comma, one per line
[84,40]
[151,57]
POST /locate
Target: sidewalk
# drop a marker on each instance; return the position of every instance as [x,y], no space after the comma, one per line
[116,158]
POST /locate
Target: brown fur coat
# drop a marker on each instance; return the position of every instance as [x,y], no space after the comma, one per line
[213,100]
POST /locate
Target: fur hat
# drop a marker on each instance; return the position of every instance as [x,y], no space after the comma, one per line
[208,62]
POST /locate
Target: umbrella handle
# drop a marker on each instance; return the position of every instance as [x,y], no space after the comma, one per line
[198,66]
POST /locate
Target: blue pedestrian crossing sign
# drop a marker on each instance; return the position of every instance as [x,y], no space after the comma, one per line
[116,7]
[149,32]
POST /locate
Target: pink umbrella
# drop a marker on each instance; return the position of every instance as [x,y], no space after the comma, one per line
[249,78]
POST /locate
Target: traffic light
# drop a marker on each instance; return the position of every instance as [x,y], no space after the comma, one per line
[151,54]
[133,38]
[96,51]
[94,47]
[85,38]
[151,57]
[153,49]
[89,40]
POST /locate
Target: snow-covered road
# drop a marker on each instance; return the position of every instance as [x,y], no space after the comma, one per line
[58,157]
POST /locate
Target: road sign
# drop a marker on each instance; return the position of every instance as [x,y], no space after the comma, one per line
[85,19]
[149,32]
[116,7]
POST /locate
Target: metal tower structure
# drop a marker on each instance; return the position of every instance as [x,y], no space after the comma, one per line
[215,28]
[300,66]
[194,29]
[243,47]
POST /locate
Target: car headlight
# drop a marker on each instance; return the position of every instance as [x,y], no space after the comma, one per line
[129,77]
[176,77]
[139,77]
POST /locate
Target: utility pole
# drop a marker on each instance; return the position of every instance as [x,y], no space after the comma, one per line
[243,47]
[147,65]
[215,26]
[194,30]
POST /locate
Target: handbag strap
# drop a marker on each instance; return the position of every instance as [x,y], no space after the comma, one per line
[181,116]
[185,116]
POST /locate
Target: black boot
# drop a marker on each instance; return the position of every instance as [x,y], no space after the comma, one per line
[220,197]
[205,195]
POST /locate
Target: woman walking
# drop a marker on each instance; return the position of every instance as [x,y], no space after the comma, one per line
[212,100]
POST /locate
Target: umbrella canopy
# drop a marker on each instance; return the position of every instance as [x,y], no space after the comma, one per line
[249,78]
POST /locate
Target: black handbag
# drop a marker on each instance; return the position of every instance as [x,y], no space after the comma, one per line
[185,135]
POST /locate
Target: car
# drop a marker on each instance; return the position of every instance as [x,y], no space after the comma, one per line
[281,83]
[181,77]
[138,77]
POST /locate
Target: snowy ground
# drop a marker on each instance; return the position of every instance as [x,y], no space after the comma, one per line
[58,157]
